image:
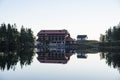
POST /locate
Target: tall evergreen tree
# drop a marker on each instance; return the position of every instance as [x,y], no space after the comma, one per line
[113,34]
[10,38]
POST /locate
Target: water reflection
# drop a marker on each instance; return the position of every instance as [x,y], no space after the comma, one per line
[50,55]
[82,52]
[62,55]
[112,58]
[10,58]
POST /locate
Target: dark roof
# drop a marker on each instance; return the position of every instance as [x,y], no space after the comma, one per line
[53,32]
[81,56]
[53,61]
[81,36]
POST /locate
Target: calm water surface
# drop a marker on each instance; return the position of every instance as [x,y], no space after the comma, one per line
[94,67]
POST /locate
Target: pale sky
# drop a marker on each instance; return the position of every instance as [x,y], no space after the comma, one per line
[90,17]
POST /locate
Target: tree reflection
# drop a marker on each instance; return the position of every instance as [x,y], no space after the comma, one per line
[9,59]
[112,58]
[25,56]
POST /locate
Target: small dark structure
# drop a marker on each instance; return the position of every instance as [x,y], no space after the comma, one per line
[81,37]
[81,55]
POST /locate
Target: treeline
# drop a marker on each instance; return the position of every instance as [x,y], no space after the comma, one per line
[111,35]
[11,38]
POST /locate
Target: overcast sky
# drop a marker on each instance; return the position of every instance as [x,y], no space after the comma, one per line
[91,17]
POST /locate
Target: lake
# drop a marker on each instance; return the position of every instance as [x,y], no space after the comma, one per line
[73,66]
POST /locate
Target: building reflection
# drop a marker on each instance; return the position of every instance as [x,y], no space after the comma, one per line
[60,56]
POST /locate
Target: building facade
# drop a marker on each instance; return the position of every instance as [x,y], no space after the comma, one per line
[53,39]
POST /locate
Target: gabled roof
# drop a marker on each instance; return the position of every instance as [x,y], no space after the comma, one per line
[53,32]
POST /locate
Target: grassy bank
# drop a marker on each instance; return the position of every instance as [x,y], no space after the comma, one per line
[87,44]
[93,45]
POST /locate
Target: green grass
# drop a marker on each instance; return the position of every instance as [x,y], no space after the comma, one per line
[87,44]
